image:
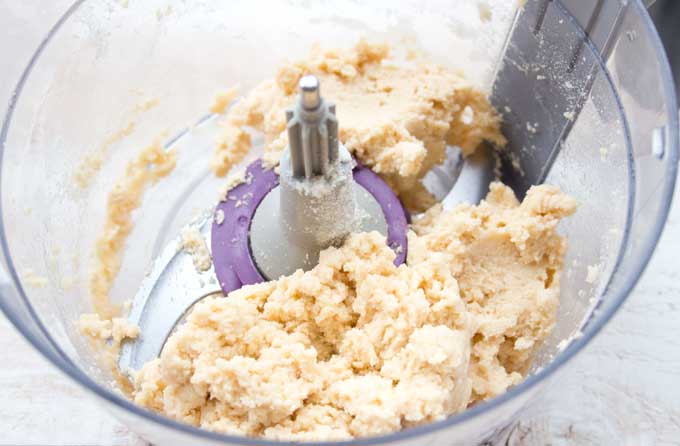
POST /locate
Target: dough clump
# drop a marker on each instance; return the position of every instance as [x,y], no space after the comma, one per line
[395,117]
[358,347]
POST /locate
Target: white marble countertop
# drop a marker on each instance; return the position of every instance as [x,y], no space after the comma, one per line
[621,390]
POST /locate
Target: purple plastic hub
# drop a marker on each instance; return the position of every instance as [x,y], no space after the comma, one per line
[234,264]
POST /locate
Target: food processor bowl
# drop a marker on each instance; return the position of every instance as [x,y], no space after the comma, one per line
[113,76]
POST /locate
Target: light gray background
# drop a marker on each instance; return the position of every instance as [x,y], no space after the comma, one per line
[622,390]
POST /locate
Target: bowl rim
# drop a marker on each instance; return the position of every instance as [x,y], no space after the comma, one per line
[58,357]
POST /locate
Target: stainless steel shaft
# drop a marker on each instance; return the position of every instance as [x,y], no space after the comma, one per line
[312,131]
[315,205]
[317,201]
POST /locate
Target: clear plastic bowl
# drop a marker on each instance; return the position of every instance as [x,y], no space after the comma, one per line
[102,59]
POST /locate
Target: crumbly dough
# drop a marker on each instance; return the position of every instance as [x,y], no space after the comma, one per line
[238,176]
[152,164]
[359,347]
[194,243]
[395,117]
[356,346]
[115,329]
[106,328]
[223,98]
[105,335]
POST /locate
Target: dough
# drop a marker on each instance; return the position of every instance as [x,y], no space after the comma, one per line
[106,329]
[222,100]
[115,329]
[359,347]
[356,346]
[194,243]
[396,118]
[152,164]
